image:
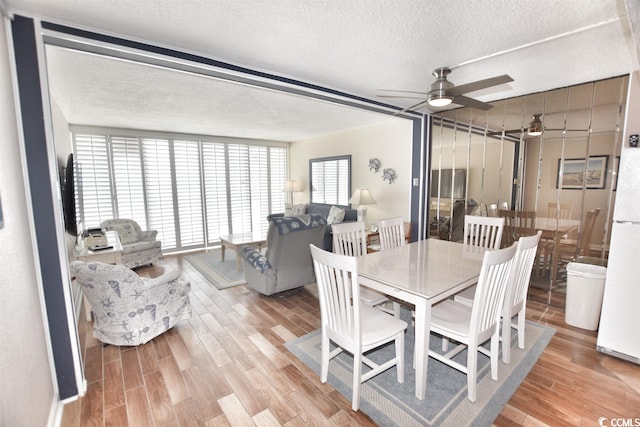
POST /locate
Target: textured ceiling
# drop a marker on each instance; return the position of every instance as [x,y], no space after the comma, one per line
[355,46]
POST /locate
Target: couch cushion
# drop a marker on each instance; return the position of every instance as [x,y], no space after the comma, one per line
[319,209]
[294,210]
[336,215]
[126,232]
[142,245]
[290,224]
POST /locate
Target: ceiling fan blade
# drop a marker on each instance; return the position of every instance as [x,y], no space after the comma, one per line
[413,107]
[470,102]
[387,92]
[499,132]
[403,96]
[480,84]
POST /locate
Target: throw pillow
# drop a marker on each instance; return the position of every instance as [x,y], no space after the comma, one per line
[295,210]
[336,215]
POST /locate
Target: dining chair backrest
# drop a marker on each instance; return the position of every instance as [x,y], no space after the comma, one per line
[339,296]
[483,231]
[516,294]
[516,225]
[587,230]
[560,210]
[492,210]
[391,233]
[490,291]
[349,238]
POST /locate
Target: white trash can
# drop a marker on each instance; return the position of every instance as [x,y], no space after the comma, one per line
[585,288]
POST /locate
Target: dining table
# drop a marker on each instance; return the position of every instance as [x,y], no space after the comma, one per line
[553,230]
[422,273]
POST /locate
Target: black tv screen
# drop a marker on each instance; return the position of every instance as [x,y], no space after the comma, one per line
[445,181]
[69,198]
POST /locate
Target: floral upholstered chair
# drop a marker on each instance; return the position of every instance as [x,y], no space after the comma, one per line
[138,247]
[129,309]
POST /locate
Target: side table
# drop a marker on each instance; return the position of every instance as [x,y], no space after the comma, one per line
[108,256]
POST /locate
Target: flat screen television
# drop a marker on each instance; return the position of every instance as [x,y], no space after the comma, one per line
[69,198]
[446,181]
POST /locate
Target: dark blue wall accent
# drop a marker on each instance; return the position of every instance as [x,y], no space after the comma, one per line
[421,129]
[33,127]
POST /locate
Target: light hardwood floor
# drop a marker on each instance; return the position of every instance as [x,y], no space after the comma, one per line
[227,366]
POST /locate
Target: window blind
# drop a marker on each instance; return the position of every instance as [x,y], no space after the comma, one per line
[192,191]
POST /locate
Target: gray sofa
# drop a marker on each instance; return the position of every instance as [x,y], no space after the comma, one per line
[321,209]
[287,262]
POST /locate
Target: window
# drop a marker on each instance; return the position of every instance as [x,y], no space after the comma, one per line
[191,190]
[330,180]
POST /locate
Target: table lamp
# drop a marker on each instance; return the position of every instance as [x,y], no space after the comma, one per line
[291,186]
[362,197]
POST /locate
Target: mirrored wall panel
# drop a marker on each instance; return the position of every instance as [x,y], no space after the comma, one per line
[553,154]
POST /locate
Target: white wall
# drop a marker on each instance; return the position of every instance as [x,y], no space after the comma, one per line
[390,142]
[27,389]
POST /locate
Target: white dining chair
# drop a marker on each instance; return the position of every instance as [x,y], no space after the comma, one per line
[350,325]
[483,231]
[350,238]
[391,233]
[473,326]
[515,298]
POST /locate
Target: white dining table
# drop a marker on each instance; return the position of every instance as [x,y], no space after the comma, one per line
[422,273]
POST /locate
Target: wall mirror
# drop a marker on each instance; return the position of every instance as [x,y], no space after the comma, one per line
[330,179]
[487,158]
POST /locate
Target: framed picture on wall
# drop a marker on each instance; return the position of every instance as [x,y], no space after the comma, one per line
[573,172]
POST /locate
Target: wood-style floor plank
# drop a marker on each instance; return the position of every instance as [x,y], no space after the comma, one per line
[228,366]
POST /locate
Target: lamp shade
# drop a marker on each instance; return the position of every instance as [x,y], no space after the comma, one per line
[291,186]
[362,196]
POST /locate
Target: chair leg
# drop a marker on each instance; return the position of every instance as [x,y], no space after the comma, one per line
[495,345]
[400,356]
[324,365]
[472,372]
[445,343]
[357,380]
[396,310]
[521,326]
[506,340]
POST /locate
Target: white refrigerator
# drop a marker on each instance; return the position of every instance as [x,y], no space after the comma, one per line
[619,332]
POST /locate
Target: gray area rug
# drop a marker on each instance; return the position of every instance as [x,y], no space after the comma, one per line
[220,274]
[390,403]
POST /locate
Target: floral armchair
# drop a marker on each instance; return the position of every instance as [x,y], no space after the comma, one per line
[138,247]
[128,309]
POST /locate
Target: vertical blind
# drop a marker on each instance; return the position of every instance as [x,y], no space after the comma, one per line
[191,190]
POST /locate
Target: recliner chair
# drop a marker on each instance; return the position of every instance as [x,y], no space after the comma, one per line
[287,263]
[453,228]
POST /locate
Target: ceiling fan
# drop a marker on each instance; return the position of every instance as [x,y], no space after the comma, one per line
[534,128]
[442,92]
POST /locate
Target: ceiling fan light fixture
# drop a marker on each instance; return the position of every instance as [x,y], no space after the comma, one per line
[535,127]
[439,100]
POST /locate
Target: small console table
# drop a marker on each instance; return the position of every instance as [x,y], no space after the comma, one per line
[108,256]
[112,255]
